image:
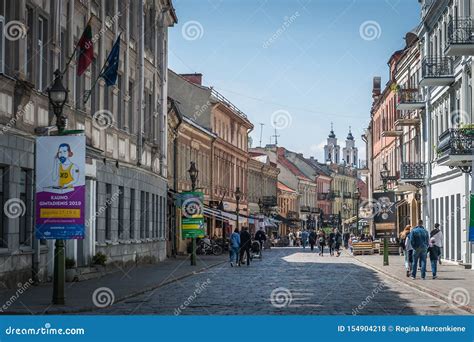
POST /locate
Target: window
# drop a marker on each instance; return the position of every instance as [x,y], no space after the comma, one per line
[2,45]
[119,103]
[42,53]
[121,221]
[147,215]
[132,213]
[3,226]
[109,8]
[122,8]
[142,215]
[108,212]
[95,92]
[25,198]
[29,45]
[132,20]
[130,105]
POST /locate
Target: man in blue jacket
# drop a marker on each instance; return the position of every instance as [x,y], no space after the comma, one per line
[419,240]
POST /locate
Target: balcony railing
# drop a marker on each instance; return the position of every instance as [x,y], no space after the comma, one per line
[335,194]
[324,196]
[436,71]
[456,142]
[460,40]
[346,195]
[412,172]
[410,98]
[305,209]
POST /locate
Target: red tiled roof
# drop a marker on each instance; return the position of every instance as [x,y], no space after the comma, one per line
[283,187]
[289,165]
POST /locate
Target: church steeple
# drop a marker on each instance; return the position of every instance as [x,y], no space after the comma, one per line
[332,149]
[349,136]
[331,134]
[350,153]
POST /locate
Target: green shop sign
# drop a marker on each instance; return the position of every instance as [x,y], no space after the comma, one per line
[192,214]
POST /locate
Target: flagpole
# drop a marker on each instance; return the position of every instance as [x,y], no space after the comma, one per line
[75,49]
[89,92]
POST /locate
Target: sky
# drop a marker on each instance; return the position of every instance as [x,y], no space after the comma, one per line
[294,65]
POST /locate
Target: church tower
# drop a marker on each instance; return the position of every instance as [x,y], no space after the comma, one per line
[350,153]
[332,149]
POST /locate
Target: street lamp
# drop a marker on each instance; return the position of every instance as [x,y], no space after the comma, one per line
[57,95]
[357,197]
[193,174]
[237,198]
[260,205]
[384,175]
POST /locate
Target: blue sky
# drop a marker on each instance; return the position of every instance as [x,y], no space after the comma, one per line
[299,63]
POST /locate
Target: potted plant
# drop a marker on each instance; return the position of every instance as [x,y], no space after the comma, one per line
[99,259]
[71,273]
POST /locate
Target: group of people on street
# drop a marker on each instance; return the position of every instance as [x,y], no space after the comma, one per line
[240,244]
[417,244]
[320,239]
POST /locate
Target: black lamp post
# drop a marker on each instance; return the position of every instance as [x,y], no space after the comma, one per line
[193,174]
[385,176]
[237,198]
[260,205]
[57,95]
[357,197]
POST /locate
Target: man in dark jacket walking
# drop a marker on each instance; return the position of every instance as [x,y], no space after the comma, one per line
[245,244]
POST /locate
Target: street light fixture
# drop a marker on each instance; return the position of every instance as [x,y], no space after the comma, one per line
[57,95]
[357,197]
[193,174]
[237,198]
[384,175]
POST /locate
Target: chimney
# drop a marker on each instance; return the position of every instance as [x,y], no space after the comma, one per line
[376,88]
[193,78]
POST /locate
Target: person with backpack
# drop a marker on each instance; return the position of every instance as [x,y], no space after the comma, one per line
[234,247]
[437,234]
[321,242]
[312,239]
[419,239]
[332,241]
[434,252]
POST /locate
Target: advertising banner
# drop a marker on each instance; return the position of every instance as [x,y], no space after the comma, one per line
[60,187]
[385,214]
[192,211]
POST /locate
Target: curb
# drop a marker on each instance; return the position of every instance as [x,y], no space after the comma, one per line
[433,293]
[130,295]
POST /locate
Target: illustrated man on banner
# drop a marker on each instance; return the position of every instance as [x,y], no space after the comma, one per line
[65,172]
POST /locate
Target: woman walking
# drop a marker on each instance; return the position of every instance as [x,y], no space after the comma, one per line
[407,248]
[321,242]
[234,247]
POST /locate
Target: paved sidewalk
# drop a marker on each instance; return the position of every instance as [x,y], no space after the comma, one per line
[123,283]
[455,284]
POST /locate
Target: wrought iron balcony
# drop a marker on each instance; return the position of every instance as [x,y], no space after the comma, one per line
[409,99]
[436,71]
[346,195]
[335,194]
[305,209]
[324,196]
[455,147]
[412,172]
[460,40]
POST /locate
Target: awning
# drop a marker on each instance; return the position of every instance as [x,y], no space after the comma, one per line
[214,213]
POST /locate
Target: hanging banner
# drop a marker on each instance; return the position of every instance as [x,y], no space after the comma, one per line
[385,214]
[60,187]
[192,214]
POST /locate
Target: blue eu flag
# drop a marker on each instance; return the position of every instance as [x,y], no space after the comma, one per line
[111,66]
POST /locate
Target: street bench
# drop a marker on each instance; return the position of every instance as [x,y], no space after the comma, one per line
[362,248]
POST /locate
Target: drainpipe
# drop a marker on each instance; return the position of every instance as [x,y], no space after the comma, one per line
[140,81]
[174,241]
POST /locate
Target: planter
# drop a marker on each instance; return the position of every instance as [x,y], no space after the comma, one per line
[71,275]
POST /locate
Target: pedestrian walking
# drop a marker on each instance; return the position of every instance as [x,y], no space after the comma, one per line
[321,242]
[312,239]
[332,241]
[346,240]
[261,237]
[234,247]
[437,234]
[291,239]
[407,248]
[338,242]
[245,244]
[434,252]
[419,239]
[352,239]
[304,238]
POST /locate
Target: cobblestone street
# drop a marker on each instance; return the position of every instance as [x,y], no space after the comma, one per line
[287,281]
